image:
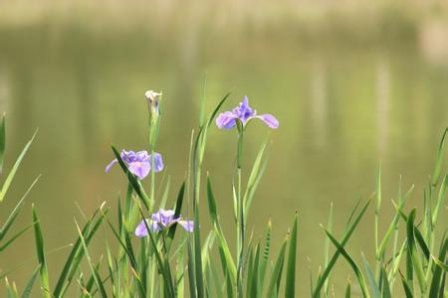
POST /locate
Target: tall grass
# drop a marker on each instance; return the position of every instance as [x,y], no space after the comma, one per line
[410,257]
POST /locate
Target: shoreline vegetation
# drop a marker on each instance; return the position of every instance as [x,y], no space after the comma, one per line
[164,251]
[355,21]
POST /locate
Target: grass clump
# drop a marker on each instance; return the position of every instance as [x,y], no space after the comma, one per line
[161,251]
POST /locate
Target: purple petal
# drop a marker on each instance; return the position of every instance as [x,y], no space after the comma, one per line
[139,169]
[245,103]
[226,120]
[110,165]
[244,111]
[156,159]
[188,225]
[269,119]
[166,217]
[141,230]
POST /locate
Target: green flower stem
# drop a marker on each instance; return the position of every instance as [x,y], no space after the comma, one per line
[240,214]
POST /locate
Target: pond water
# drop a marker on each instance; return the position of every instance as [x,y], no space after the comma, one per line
[344,108]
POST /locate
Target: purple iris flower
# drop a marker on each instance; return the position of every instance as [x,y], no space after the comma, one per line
[244,113]
[160,220]
[139,163]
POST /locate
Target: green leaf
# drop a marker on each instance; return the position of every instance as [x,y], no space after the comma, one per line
[95,274]
[14,238]
[265,257]
[291,265]
[76,255]
[177,210]
[2,142]
[416,263]
[136,185]
[384,285]
[226,257]
[274,284]
[217,108]
[439,159]
[40,250]
[348,291]
[406,287]
[253,273]
[15,212]
[191,270]
[29,285]
[254,178]
[11,290]
[349,231]
[197,254]
[371,278]
[352,263]
[440,200]
[14,169]
[436,278]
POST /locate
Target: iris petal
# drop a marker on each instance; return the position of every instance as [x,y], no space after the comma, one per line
[156,158]
[110,165]
[188,225]
[139,169]
[269,120]
[226,120]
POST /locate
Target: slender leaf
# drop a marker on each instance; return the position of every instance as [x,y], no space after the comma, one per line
[291,266]
[14,169]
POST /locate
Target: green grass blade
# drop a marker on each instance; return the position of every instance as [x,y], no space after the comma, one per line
[11,290]
[191,270]
[349,231]
[2,142]
[416,263]
[406,287]
[255,284]
[177,210]
[14,238]
[348,291]
[384,285]
[439,160]
[274,284]
[217,108]
[291,265]
[14,169]
[436,278]
[371,278]
[77,253]
[265,257]
[136,185]
[224,250]
[440,200]
[29,285]
[40,250]
[15,212]
[197,254]
[352,263]
[98,281]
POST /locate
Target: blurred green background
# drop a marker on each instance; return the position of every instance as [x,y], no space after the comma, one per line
[353,83]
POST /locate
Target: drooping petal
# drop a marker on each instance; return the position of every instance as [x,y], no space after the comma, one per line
[141,230]
[139,169]
[156,160]
[110,165]
[226,120]
[188,225]
[269,119]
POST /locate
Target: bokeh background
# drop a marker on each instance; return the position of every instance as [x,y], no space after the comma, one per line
[353,83]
